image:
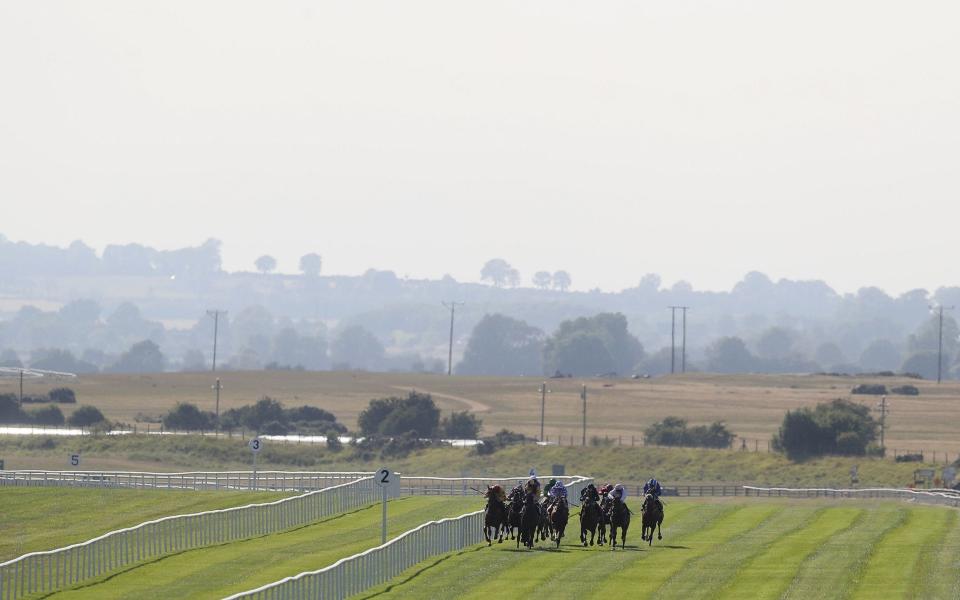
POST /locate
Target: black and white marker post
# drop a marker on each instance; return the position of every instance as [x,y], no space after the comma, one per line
[255,445]
[384,478]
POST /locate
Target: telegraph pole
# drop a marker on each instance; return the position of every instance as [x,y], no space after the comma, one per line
[940,341]
[20,403]
[216,324]
[217,386]
[884,411]
[543,405]
[673,339]
[452,305]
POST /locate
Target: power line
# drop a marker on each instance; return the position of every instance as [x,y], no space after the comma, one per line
[215,313]
[452,305]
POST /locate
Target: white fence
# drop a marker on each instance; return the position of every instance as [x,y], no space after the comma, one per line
[194,480]
[938,497]
[360,572]
[56,569]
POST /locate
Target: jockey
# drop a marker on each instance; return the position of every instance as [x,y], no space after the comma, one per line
[589,492]
[532,486]
[558,490]
[653,487]
[605,489]
[618,493]
[549,486]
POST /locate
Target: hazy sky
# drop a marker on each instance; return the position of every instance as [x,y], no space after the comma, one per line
[699,140]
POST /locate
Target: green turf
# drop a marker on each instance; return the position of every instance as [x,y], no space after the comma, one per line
[34,519]
[223,570]
[723,549]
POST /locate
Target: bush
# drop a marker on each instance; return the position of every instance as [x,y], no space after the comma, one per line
[10,410]
[906,390]
[268,416]
[313,418]
[837,427]
[875,389]
[62,395]
[28,399]
[461,426]
[187,417]
[501,439]
[673,431]
[416,414]
[909,458]
[86,416]
[48,415]
[333,441]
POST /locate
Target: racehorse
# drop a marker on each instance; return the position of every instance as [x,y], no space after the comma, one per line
[604,521]
[559,515]
[529,519]
[544,527]
[619,519]
[494,517]
[514,512]
[590,517]
[652,512]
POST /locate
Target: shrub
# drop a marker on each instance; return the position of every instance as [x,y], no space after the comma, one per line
[333,441]
[461,426]
[47,415]
[187,417]
[909,458]
[313,417]
[268,416]
[416,414]
[10,410]
[906,390]
[29,399]
[673,431]
[86,416]
[62,395]
[875,389]
[837,427]
[501,439]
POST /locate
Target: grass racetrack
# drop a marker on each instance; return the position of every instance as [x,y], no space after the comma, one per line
[722,549]
[34,519]
[219,571]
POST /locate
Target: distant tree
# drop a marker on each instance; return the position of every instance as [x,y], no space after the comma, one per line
[499,272]
[86,416]
[561,280]
[729,355]
[47,415]
[775,343]
[650,283]
[591,346]
[542,279]
[142,357]
[829,354]
[193,361]
[10,409]
[500,345]
[9,358]
[357,348]
[187,417]
[673,431]
[657,363]
[880,355]
[81,312]
[62,395]
[416,414]
[461,426]
[924,364]
[291,349]
[837,427]
[265,264]
[56,359]
[311,264]
[927,337]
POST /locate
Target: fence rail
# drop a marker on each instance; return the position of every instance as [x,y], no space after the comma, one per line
[376,566]
[54,569]
[943,497]
[194,480]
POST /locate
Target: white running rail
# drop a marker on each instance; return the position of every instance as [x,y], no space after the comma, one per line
[191,480]
[55,569]
[376,566]
[939,497]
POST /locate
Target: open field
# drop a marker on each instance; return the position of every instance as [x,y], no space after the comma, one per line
[751,405]
[222,570]
[722,549]
[34,519]
[673,466]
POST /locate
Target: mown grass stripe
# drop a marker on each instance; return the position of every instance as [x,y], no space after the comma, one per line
[769,574]
[644,578]
[704,576]
[941,578]
[827,572]
[219,571]
[891,569]
[930,565]
[469,574]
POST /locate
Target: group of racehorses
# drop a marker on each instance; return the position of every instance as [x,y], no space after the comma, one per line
[527,519]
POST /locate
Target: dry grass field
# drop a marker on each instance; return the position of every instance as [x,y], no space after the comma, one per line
[751,405]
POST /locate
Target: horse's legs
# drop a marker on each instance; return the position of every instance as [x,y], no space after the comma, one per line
[659,534]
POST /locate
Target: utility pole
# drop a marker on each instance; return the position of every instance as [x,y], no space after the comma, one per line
[940,310]
[673,339]
[20,403]
[583,396]
[543,405]
[452,305]
[884,411]
[216,324]
[217,386]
